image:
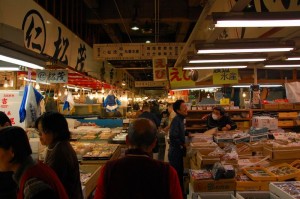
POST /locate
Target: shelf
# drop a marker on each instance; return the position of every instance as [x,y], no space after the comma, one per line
[194,120]
[230,110]
[195,128]
[274,110]
[285,118]
[240,119]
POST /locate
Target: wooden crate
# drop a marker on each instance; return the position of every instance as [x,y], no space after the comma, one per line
[286,106]
[286,123]
[281,153]
[270,106]
[90,184]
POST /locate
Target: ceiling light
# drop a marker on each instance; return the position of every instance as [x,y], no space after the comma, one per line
[243,50]
[123,83]
[212,67]
[292,58]
[257,19]
[20,62]
[148,42]
[250,46]
[135,27]
[282,64]
[227,60]
[261,85]
[203,66]
[5,85]
[9,68]
[37,86]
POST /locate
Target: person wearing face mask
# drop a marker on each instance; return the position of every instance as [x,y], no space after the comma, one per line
[219,119]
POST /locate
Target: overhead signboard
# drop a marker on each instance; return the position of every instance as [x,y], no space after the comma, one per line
[180,78]
[225,76]
[140,84]
[137,51]
[159,68]
[52,76]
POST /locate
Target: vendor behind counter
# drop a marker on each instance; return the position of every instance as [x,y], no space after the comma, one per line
[218,118]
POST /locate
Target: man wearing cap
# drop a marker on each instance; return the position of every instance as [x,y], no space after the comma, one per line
[218,118]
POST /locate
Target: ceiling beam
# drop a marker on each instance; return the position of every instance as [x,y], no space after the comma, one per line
[181,34]
[141,20]
[113,35]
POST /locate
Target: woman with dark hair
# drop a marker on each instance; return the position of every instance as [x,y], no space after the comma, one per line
[8,186]
[61,157]
[35,180]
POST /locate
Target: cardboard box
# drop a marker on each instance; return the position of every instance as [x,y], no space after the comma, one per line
[283,115]
[270,106]
[253,194]
[297,106]
[286,123]
[213,185]
[286,106]
[265,122]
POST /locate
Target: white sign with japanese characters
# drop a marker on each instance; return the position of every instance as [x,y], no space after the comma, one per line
[52,76]
[10,102]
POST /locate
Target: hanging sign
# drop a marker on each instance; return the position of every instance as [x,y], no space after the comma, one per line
[159,68]
[225,76]
[52,76]
[180,78]
[10,102]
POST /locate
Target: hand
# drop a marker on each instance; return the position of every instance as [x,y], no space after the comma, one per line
[228,126]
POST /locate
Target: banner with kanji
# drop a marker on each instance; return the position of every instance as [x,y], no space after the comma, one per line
[180,78]
[159,68]
[225,76]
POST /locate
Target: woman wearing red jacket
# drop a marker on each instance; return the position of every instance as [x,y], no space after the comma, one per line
[35,180]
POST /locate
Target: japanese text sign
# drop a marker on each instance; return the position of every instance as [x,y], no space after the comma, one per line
[52,76]
[159,68]
[180,78]
[225,76]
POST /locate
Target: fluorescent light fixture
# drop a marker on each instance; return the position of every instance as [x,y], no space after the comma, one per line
[244,50]
[226,60]
[247,46]
[32,80]
[9,68]
[257,19]
[293,58]
[257,23]
[261,85]
[20,62]
[135,28]
[282,64]
[211,67]
[199,88]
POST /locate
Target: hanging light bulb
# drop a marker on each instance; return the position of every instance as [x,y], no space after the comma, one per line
[208,96]
[59,93]
[244,94]
[66,92]
[55,96]
[37,86]
[78,95]
[5,85]
[96,95]
[76,89]
[102,90]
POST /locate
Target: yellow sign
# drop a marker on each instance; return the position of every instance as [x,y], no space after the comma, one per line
[225,76]
[180,78]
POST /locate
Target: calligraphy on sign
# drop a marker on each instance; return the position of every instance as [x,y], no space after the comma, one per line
[180,78]
[225,76]
[10,102]
[159,68]
[52,76]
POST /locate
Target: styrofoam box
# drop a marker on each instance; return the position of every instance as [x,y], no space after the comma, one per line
[265,121]
[275,189]
[252,194]
[214,195]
